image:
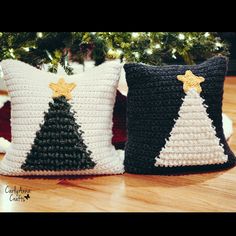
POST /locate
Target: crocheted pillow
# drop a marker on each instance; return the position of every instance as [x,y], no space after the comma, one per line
[118,129]
[61,126]
[175,118]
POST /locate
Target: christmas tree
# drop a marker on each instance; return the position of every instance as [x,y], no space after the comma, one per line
[193,139]
[157,48]
[52,48]
[58,145]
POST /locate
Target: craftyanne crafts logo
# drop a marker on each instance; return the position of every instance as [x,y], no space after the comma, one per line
[17,194]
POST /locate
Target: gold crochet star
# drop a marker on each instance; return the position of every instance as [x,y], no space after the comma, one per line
[191,81]
[61,88]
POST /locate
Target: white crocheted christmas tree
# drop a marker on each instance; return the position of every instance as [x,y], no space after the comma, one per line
[193,139]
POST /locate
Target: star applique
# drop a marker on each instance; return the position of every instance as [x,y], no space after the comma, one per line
[191,81]
[61,88]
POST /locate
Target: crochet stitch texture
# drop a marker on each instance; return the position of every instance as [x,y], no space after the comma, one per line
[154,101]
[92,100]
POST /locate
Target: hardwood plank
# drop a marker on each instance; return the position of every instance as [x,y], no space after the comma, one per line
[135,193]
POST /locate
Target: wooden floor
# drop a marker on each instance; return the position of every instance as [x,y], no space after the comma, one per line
[198,192]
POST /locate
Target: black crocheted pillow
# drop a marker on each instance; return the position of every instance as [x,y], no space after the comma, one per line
[174,118]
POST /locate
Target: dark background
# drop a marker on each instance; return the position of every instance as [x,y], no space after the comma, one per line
[230,37]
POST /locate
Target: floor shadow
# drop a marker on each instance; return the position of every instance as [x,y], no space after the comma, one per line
[58,177]
[126,180]
[132,180]
[55,182]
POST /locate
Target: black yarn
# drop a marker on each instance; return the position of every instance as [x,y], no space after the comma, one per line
[58,145]
[153,102]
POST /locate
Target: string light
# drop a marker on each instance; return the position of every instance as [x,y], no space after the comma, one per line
[149,51]
[26,49]
[11,50]
[190,41]
[158,46]
[119,52]
[173,53]
[114,53]
[174,50]
[39,34]
[110,51]
[136,54]
[206,34]
[49,55]
[181,36]
[135,35]
[218,45]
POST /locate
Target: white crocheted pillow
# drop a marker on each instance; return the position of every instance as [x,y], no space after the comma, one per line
[61,126]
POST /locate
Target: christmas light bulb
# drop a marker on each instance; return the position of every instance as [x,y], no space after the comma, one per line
[173,53]
[135,35]
[158,46]
[149,51]
[136,54]
[219,45]
[181,36]
[26,49]
[114,53]
[39,34]
[119,52]
[11,50]
[207,34]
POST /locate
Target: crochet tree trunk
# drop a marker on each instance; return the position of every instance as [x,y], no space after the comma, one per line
[58,145]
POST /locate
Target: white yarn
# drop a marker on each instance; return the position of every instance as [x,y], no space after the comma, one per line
[93,100]
[193,139]
[4,145]
[227,126]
